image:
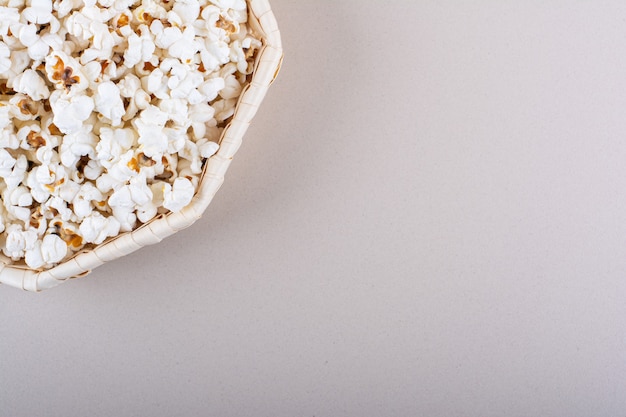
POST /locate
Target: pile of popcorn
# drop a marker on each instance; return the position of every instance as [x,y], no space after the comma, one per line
[108,111]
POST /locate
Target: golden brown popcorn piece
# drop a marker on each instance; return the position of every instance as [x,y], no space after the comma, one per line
[226,25]
[27,106]
[133,164]
[35,140]
[64,74]
[148,66]
[35,218]
[53,186]
[145,161]
[103,66]
[54,130]
[82,163]
[123,20]
[4,90]
[73,240]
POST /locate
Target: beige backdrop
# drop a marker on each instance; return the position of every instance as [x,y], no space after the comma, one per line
[427,218]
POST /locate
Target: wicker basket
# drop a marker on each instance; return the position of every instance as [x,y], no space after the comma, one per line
[267,65]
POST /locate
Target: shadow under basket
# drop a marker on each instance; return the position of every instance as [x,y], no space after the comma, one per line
[267,64]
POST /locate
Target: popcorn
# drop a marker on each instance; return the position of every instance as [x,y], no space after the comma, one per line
[50,250]
[17,174]
[7,162]
[70,112]
[108,111]
[40,11]
[84,199]
[140,48]
[178,195]
[108,102]
[185,47]
[8,16]
[18,241]
[149,125]
[95,228]
[81,142]
[207,148]
[31,84]
[5,58]
[188,10]
[37,48]
[65,72]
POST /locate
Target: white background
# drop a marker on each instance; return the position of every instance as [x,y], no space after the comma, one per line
[426,218]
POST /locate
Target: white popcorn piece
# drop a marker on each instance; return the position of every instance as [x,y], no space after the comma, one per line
[140,193]
[186,86]
[175,139]
[67,192]
[121,199]
[37,180]
[9,16]
[124,168]
[80,142]
[211,88]
[153,142]
[7,162]
[95,228]
[102,43]
[232,88]
[129,85]
[165,37]
[31,84]
[214,54]
[188,10]
[64,7]
[70,112]
[185,47]
[156,84]
[84,199]
[5,58]
[178,195]
[146,212]
[207,148]
[53,249]
[5,122]
[93,169]
[191,153]
[112,143]
[201,113]
[176,110]
[108,102]
[37,48]
[19,62]
[238,5]
[224,109]
[48,251]
[21,197]
[40,11]
[139,48]
[18,241]
[17,174]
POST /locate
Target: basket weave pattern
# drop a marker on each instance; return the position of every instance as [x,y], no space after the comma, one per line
[268,61]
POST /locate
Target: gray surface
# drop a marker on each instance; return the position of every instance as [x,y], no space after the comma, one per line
[427,218]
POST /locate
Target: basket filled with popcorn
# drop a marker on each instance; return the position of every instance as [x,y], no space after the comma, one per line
[118,120]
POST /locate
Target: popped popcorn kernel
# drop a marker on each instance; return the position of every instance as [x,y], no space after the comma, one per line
[109,110]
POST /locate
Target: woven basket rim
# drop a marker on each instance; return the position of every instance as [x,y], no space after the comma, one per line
[267,66]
